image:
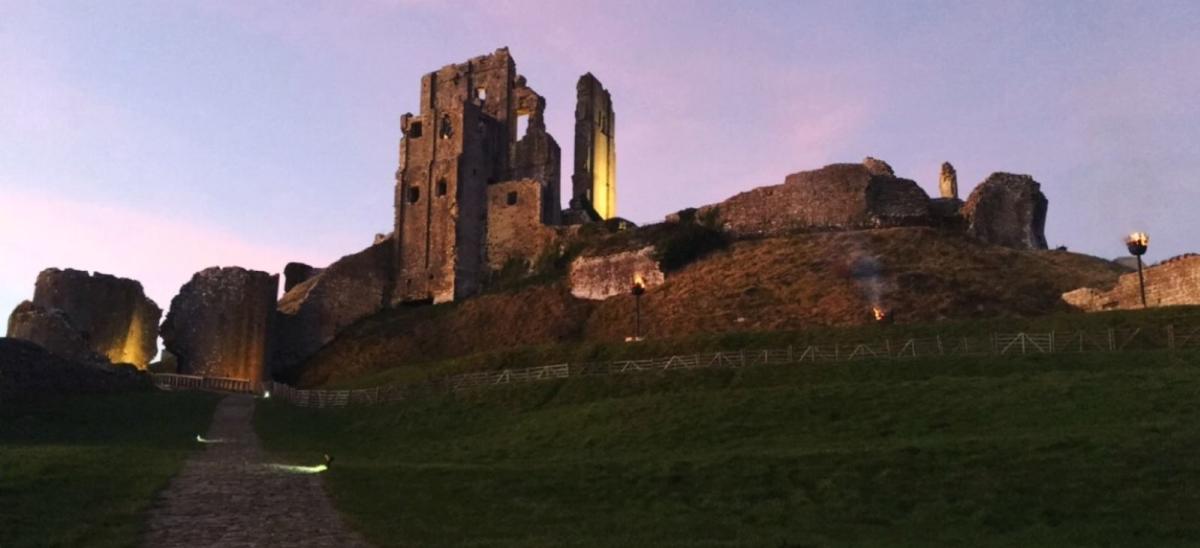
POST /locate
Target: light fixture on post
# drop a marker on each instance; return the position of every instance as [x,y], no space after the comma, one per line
[638,289]
[1137,243]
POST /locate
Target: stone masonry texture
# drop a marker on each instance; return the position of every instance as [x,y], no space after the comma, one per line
[1008,210]
[1172,282]
[835,197]
[219,323]
[464,139]
[515,228]
[594,183]
[602,276]
[111,315]
[313,312]
[49,328]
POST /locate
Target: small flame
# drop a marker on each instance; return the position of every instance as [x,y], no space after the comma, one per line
[1139,238]
[638,281]
[880,314]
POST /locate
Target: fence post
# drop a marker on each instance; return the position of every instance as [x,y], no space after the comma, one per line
[1112,340]
[941,349]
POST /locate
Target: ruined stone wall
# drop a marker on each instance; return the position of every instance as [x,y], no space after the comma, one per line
[49,328]
[465,139]
[1172,282]
[536,154]
[219,323]
[602,276]
[515,228]
[448,154]
[312,313]
[594,183]
[113,315]
[295,274]
[948,182]
[1008,210]
[837,197]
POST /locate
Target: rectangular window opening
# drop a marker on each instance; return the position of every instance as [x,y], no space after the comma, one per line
[522,125]
[512,198]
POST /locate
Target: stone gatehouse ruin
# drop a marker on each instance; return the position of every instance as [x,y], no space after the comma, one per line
[479,143]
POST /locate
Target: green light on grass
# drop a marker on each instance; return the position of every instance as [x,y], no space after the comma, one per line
[296,469]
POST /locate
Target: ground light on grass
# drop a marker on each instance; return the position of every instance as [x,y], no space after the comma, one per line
[1062,450]
[83,471]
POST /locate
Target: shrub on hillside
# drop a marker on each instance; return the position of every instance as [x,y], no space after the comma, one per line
[688,242]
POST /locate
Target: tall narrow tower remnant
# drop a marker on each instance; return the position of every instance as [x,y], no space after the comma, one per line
[948,181]
[594,183]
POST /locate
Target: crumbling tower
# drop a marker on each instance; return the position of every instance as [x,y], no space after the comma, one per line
[948,181]
[464,139]
[594,183]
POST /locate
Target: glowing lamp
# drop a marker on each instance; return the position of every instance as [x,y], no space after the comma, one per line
[1137,243]
[638,289]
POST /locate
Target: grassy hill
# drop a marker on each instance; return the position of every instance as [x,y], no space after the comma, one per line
[1060,450]
[797,283]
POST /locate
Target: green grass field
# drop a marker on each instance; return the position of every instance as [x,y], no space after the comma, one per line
[1062,450]
[82,471]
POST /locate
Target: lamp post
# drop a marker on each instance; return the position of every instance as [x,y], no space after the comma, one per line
[1137,244]
[638,289]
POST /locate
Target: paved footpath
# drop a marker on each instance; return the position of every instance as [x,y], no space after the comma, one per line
[230,495]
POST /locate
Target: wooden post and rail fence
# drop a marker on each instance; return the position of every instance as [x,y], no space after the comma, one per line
[995,344]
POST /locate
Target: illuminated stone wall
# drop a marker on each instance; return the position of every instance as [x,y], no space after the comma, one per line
[594,183]
[1172,282]
[602,276]
[220,321]
[112,315]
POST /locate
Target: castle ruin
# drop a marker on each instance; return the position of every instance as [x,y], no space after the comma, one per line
[479,143]
[594,185]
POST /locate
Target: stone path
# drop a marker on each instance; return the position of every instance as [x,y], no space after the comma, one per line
[230,495]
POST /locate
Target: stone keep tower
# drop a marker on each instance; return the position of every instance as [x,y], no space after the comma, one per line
[594,182]
[464,139]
